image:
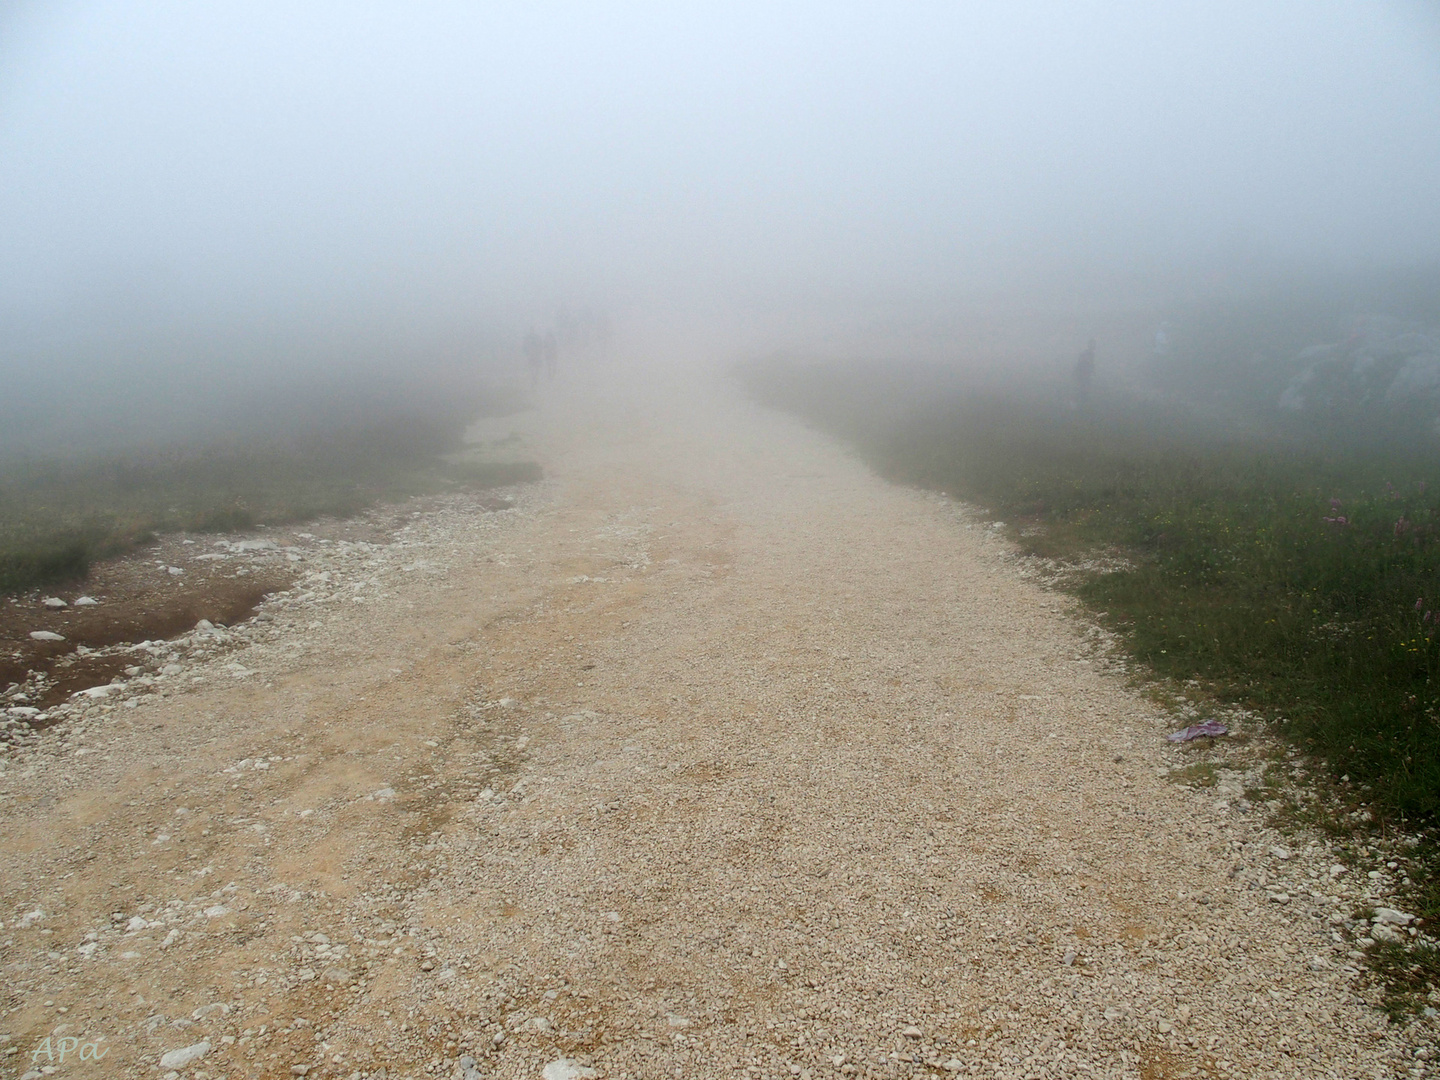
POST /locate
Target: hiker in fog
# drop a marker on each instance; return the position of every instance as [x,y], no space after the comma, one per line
[1085,372]
[534,350]
[551,350]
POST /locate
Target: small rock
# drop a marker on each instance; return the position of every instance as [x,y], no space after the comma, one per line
[1280,853]
[565,1069]
[384,793]
[86,601]
[1279,898]
[953,1065]
[337,976]
[174,571]
[45,635]
[427,965]
[1392,917]
[178,1059]
[1337,870]
[137,922]
[1069,958]
[913,1032]
[54,602]
[299,1070]
[1381,932]
[469,1070]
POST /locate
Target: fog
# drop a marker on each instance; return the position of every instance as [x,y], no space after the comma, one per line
[197,200]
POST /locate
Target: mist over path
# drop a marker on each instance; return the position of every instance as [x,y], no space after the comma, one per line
[717,756]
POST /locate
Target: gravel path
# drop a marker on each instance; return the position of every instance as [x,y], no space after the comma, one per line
[713,756]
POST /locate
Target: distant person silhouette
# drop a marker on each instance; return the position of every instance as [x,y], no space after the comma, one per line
[1085,372]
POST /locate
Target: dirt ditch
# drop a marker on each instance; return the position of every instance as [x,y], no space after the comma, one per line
[137,598]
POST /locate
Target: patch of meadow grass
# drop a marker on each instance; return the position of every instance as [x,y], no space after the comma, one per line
[57,516]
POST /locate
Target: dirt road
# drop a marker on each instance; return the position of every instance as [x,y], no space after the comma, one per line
[714,756]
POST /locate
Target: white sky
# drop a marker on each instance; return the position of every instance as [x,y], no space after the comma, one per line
[326,164]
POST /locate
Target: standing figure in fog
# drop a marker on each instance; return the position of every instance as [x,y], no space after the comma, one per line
[1085,373]
[534,350]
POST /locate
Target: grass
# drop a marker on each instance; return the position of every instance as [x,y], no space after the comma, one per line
[1293,578]
[58,516]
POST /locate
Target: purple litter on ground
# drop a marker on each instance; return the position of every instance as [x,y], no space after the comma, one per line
[1196,731]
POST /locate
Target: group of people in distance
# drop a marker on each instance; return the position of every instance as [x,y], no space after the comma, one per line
[584,334]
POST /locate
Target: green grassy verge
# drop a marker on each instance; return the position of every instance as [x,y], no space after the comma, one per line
[1300,583]
[58,516]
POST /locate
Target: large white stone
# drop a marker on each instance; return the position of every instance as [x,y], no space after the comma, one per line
[565,1069]
[178,1059]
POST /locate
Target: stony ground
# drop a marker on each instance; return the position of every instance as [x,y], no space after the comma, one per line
[713,755]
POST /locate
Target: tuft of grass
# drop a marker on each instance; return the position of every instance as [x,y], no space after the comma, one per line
[1202,774]
[1406,972]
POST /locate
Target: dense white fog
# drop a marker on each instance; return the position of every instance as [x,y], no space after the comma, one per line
[193,195]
